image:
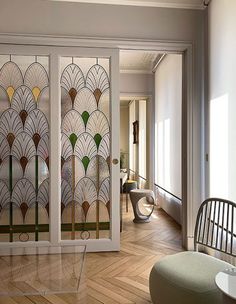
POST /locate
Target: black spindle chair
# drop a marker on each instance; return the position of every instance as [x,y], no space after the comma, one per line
[189,277]
[216,226]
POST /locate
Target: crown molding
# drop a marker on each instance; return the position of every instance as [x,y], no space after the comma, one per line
[199,5]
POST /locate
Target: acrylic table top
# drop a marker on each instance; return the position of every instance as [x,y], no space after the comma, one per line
[226,282]
[41,270]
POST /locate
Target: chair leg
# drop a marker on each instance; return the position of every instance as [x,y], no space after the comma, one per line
[121,207]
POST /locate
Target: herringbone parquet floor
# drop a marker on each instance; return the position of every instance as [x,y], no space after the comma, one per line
[122,277]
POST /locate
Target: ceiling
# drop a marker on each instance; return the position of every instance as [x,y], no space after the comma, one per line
[124,102]
[187,4]
[138,62]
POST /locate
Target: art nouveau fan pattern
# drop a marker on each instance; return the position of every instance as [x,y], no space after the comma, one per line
[85,149]
[24,148]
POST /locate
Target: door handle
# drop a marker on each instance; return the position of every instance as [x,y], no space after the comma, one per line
[115,161]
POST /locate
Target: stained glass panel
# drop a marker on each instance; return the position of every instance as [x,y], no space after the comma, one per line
[24,148]
[85,142]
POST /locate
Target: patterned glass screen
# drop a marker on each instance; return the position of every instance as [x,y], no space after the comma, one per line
[85,148]
[24,148]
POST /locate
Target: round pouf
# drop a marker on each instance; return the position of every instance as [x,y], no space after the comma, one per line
[186,278]
[135,196]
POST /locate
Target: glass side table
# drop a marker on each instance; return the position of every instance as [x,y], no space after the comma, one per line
[41,271]
[226,282]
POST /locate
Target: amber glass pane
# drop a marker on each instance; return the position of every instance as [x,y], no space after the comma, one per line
[24,148]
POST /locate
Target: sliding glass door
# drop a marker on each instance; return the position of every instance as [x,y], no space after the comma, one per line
[64,100]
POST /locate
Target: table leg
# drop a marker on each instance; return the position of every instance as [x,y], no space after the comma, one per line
[127,202]
[121,205]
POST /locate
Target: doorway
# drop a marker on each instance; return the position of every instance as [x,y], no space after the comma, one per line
[151,97]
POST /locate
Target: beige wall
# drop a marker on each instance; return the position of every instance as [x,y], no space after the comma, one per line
[134,149]
[141,86]
[137,84]
[124,128]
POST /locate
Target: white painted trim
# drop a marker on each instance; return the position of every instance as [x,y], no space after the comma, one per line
[148,3]
[190,224]
[165,46]
[115,150]
[158,62]
[55,150]
[190,242]
[134,95]
[151,109]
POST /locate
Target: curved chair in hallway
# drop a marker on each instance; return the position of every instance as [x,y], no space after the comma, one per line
[189,277]
[136,196]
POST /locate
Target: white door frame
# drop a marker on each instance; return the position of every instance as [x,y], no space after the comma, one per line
[184,48]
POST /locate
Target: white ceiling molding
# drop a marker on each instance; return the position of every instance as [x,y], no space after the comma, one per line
[184,4]
[137,62]
[158,62]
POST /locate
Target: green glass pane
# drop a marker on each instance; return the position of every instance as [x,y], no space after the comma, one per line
[85,116]
[73,138]
[97,139]
[85,162]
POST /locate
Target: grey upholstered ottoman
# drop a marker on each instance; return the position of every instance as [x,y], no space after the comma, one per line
[186,278]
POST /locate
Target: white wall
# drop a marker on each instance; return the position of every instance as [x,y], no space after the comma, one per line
[81,19]
[41,17]
[142,141]
[132,147]
[168,114]
[137,84]
[222,98]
